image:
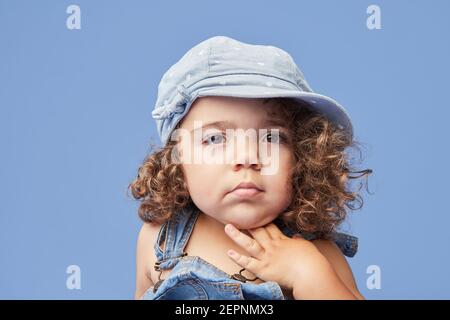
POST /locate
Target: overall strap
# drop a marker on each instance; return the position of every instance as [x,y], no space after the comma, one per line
[347,243]
[176,232]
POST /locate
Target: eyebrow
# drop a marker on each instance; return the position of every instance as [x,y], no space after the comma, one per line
[229,124]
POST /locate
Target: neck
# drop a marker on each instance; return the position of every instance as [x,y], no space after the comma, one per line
[215,225]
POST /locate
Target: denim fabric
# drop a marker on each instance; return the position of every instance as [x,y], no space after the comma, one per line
[193,278]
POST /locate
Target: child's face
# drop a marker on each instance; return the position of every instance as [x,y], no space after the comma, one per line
[209,184]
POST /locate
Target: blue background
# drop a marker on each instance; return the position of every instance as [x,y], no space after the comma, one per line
[75,124]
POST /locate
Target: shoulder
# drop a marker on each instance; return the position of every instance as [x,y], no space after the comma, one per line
[329,248]
[147,238]
[148,229]
[145,256]
[333,252]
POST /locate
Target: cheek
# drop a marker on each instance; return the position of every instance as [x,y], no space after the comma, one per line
[203,188]
[282,182]
[198,179]
[281,188]
[199,171]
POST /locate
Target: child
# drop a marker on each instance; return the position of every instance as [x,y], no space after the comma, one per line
[231,220]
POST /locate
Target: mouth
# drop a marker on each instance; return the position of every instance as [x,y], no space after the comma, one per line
[245,193]
[246,190]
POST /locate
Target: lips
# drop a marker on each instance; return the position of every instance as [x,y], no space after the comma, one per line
[247,185]
[246,190]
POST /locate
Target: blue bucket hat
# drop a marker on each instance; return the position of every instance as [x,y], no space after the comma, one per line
[222,66]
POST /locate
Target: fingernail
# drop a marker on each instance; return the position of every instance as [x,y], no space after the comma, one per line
[230,229]
[231,253]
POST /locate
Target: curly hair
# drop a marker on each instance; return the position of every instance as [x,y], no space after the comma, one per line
[320,177]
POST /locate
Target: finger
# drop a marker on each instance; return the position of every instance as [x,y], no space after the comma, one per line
[274,231]
[249,244]
[297,235]
[249,263]
[261,235]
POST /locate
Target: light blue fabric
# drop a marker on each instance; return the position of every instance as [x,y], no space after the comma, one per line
[222,66]
[193,278]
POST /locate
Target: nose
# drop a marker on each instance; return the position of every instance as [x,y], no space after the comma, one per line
[246,153]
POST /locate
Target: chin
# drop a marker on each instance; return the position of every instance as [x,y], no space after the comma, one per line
[249,218]
[245,226]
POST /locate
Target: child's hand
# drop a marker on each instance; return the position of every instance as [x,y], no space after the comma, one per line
[274,256]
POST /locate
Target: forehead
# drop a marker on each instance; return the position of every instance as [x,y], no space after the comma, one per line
[242,112]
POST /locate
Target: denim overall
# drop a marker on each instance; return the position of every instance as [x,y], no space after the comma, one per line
[193,278]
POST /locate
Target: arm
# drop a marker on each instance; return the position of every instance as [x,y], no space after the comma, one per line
[330,277]
[143,251]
